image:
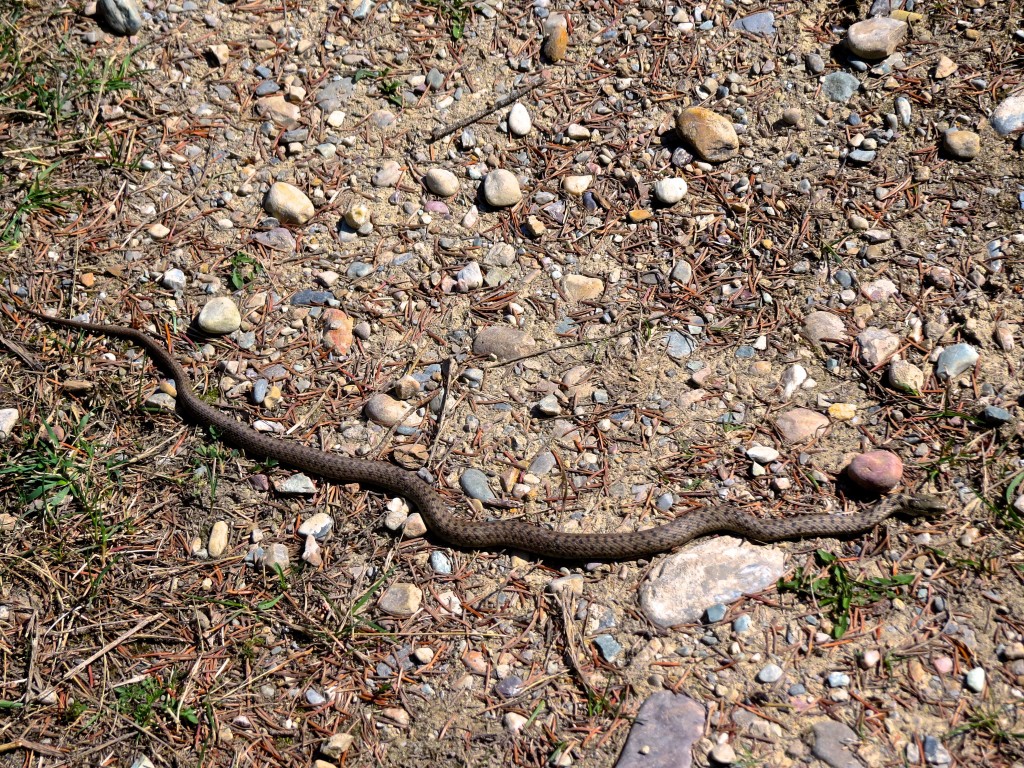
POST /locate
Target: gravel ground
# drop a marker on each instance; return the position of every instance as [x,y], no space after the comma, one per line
[592,265]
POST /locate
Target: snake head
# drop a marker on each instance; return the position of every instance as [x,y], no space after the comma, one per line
[925,505]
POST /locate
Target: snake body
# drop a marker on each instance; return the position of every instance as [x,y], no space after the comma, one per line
[498,534]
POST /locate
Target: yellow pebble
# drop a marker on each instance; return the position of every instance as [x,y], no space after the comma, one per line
[273,397]
[842,411]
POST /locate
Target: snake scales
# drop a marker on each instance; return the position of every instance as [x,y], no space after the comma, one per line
[504,533]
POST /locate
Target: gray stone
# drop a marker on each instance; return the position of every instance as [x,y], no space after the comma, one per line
[718,570]
[956,359]
[770,673]
[121,17]
[519,122]
[680,345]
[8,420]
[839,86]
[295,485]
[318,526]
[173,280]
[474,484]
[388,174]
[663,733]
[760,23]
[608,647]
[762,454]
[834,744]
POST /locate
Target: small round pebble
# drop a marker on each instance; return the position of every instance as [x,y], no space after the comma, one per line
[670,191]
[219,316]
[770,673]
[723,754]
[501,188]
[715,613]
[441,182]
[876,38]
[519,122]
[710,135]
[875,471]
[288,204]
[975,680]
[963,145]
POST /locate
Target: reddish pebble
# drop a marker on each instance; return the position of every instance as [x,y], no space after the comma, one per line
[943,665]
[876,471]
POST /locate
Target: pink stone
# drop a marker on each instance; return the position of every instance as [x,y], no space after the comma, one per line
[876,471]
[800,424]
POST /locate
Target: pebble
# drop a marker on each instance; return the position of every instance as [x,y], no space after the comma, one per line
[869,659]
[219,316]
[318,526]
[799,425]
[357,215]
[501,189]
[839,86]
[963,145]
[577,185]
[876,38]
[770,673]
[390,172]
[469,278]
[877,345]
[819,326]
[944,67]
[337,745]
[835,744]
[975,680]
[711,136]
[475,485]
[556,39]
[441,182]
[762,454]
[842,411]
[288,204]
[715,613]
[956,359]
[8,420]
[401,599]
[514,722]
[275,558]
[608,647]
[875,471]
[682,273]
[906,377]
[670,191]
[440,563]
[120,17]
[581,288]
[993,415]
[279,110]
[720,570]
[503,342]
[723,754]
[1008,116]
[665,729]
[218,541]
[174,280]
[519,122]
[385,410]
[759,23]
[838,680]
[297,484]
[549,406]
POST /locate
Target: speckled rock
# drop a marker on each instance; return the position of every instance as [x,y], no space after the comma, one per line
[963,145]
[875,471]
[556,38]
[819,326]
[877,345]
[710,135]
[503,342]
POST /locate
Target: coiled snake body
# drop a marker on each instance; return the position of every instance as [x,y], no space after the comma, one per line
[499,534]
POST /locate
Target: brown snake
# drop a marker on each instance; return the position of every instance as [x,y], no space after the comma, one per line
[499,534]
